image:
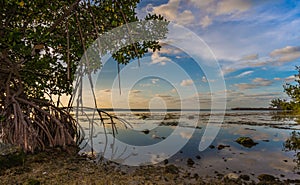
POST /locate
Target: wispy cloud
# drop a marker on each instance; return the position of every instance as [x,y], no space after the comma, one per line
[250,57]
[256,83]
[244,74]
[286,54]
[135,91]
[262,81]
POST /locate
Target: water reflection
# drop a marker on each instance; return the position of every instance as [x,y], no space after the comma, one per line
[293,144]
[285,116]
[270,130]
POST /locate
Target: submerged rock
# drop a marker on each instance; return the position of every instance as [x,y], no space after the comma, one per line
[220,147]
[191,117]
[146,131]
[172,123]
[266,178]
[246,142]
[190,162]
[211,146]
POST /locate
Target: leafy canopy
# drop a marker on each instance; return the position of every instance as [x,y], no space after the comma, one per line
[44,40]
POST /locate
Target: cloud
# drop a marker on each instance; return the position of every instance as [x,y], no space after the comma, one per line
[171,13]
[174,91]
[232,7]
[222,7]
[170,101]
[169,10]
[155,80]
[187,82]
[245,86]
[105,91]
[286,54]
[250,57]
[163,96]
[202,4]
[290,78]
[135,91]
[167,49]
[277,79]
[256,83]
[185,18]
[205,21]
[285,50]
[157,59]
[244,74]
[262,81]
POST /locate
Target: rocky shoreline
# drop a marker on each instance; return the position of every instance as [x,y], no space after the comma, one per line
[58,166]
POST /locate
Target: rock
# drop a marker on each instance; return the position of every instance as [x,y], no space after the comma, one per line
[172,169]
[143,117]
[166,161]
[10,156]
[190,162]
[191,117]
[146,131]
[220,147]
[266,178]
[246,142]
[245,177]
[211,146]
[232,176]
[172,123]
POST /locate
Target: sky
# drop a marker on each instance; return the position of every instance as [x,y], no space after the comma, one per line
[255,44]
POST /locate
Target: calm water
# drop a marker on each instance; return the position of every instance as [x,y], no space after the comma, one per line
[158,136]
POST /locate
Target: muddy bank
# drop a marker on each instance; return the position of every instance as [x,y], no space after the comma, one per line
[65,167]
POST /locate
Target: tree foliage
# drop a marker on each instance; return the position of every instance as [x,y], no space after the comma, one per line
[293,91]
[41,45]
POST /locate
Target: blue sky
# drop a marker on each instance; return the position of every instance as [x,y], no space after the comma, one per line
[255,42]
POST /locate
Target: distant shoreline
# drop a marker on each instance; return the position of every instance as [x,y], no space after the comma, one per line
[179,110]
[260,108]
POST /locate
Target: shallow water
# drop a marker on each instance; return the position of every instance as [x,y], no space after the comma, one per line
[176,136]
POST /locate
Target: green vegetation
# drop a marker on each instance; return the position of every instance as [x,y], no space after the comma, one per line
[41,45]
[293,144]
[293,91]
